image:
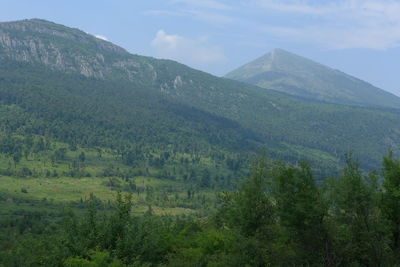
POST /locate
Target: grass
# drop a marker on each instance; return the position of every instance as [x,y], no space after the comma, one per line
[56,189]
[65,180]
[66,189]
[304,152]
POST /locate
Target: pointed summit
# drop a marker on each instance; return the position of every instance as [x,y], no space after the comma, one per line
[286,72]
[273,60]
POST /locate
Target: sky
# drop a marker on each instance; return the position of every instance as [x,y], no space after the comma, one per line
[359,37]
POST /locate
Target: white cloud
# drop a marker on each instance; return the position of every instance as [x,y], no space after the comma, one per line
[102,37]
[304,7]
[195,52]
[341,24]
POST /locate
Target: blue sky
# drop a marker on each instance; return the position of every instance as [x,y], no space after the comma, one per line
[361,38]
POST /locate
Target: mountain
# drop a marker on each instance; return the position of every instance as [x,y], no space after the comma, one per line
[70,86]
[295,75]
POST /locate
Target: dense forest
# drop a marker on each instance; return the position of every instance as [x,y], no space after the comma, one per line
[71,86]
[114,159]
[278,216]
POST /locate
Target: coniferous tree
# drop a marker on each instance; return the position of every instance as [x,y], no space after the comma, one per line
[301,213]
[356,221]
[391,199]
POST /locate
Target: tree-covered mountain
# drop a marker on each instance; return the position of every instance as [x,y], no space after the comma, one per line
[295,75]
[68,85]
[100,150]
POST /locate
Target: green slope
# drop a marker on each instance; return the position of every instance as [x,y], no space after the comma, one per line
[286,72]
[282,119]
[74,87]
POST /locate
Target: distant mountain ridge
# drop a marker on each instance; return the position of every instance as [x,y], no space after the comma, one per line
[83,89]
[289,73]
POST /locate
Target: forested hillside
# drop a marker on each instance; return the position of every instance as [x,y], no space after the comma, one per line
[114,159]
[97,94]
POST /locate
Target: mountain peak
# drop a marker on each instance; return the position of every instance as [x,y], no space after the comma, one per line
[34,20]
[62,48]
[284,59]
[27,21]
[279,51]
[271,61]
[287,72]
[35,25]
[39,28]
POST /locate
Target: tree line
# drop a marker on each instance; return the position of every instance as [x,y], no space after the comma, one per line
[277,217]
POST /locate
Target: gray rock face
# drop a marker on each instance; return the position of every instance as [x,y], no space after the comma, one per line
[40,41]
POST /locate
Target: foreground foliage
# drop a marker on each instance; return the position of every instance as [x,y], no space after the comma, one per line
[277,217]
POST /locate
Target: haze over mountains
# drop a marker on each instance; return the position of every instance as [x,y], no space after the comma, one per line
[292,74]
[69,85]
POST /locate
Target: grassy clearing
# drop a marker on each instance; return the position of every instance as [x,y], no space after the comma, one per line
[304,152]
[64,190]
[169,181]
[56,189]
